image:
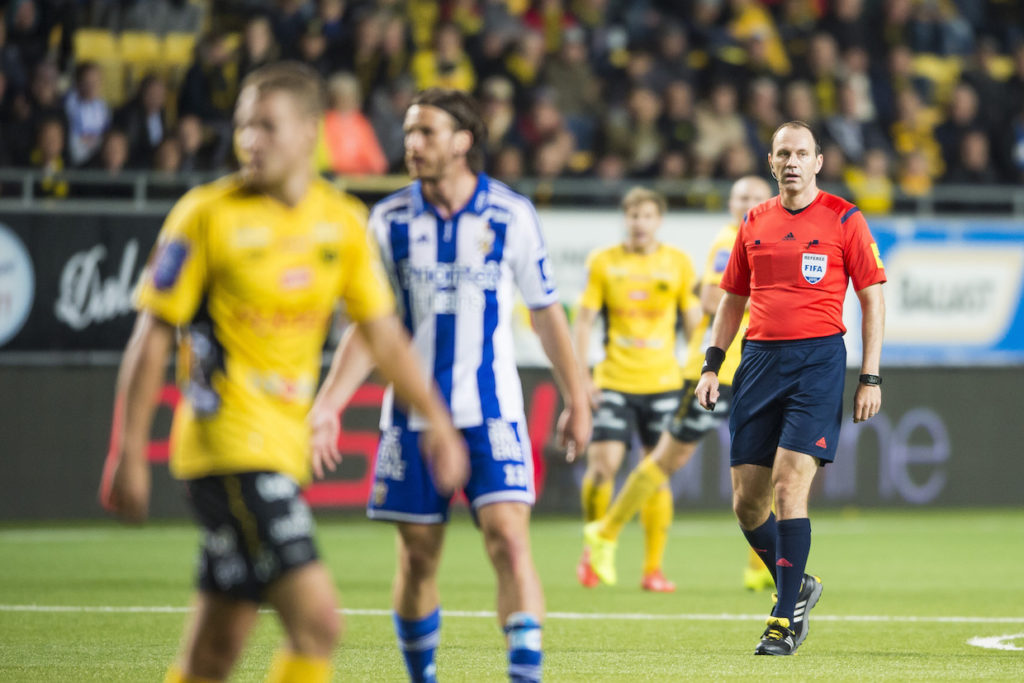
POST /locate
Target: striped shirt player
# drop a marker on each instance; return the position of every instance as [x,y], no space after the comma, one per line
[455,282]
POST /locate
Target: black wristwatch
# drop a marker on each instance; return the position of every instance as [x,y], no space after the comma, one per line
[871,380]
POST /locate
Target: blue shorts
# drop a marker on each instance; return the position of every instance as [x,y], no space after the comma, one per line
[500,470]
[788,394]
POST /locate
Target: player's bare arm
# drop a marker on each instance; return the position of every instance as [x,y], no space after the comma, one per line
[350,366]
[868,399]
[125,488]
[582,327]
[391,350]
[574,424]
[727,324]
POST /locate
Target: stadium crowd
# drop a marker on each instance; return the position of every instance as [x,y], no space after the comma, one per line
[902,94]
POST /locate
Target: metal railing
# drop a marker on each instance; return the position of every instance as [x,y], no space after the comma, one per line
[146,191]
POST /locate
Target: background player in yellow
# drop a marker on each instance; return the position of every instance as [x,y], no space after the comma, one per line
[646,485]
[639,286]
[246,272]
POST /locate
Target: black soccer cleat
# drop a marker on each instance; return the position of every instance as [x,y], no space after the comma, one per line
[810,593]
[778,638]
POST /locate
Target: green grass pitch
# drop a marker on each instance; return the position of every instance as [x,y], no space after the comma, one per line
[905,590]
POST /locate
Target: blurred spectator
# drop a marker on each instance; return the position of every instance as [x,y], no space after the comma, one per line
[674,165]
[336,23]
[113,157]
[672,53]
[11,63]
[365,59]
[195,152]
[524,64]
[87,113]
[162,16]
[209,91]
[258,45]
[144,120]
[856,75]
[446,65]
[41,102]
[974,165]
[349,139]
[898,77]
[508,165]
[27,31]
[634,134]
[833,169]
[551,158]
[312,49]
[1015,153]
[846,23]
[914,130]
[499,114]
[796,23]
[211,83]
[611,167]
[394,51]
[110,162]
[983,73]
[387,114]
[799,104]
[915,179]
[574,87]
[719,126]
[962,118]
[847,130]
[167,157]
[936,27]
[752,22]
[468,16]
[893,30]
[823,72]
[763,114]
[678,126]
[738,161]
[48,156]
[870,187]
[550,19]
[289,19]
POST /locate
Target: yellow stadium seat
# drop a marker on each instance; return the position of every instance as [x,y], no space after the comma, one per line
[93,44]
[100,46]
[178,49]
[140,54]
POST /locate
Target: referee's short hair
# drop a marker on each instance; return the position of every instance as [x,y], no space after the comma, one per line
[463,108]
[639,195]
[299,80]
[797,124]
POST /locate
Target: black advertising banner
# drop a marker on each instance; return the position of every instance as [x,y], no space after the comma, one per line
[66,280]
[928,446]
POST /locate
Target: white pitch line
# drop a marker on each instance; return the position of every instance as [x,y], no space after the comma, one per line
[566,616]
[997,642]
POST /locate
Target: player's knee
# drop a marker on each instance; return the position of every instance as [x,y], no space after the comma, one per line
[674,457]
[749,511]
[506,546]
[417,560]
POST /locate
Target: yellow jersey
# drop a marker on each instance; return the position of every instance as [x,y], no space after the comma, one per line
[259,281]
[721,248]
[640,296]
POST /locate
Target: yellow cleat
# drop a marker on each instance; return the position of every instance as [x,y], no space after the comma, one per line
[602,553]
[757,579]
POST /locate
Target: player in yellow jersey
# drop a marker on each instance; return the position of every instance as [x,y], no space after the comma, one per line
[640,286]
[646,484]
[247,272]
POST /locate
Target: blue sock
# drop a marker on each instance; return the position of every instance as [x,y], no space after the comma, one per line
[524,652]
[418,639]
[794,547]
[762,540]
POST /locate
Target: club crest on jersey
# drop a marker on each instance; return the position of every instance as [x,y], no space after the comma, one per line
[486,240]
[814,267]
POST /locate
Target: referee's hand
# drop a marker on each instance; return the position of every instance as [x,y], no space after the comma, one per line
[707,390]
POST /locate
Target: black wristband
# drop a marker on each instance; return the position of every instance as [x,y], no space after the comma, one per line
[713,359]
[871,380]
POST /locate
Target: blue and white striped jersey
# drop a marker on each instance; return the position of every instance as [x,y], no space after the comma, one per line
[454,281]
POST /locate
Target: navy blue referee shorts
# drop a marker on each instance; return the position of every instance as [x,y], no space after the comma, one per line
[788,394]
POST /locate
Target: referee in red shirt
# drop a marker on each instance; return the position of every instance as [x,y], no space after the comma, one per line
[793,259]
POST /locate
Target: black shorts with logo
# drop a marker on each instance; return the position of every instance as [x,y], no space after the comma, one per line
[255,527]
[691,421]
[619,415]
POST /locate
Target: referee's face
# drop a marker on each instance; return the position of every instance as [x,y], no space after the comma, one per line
[793,161]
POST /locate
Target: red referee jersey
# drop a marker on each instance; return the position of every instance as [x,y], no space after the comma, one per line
[795,268]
